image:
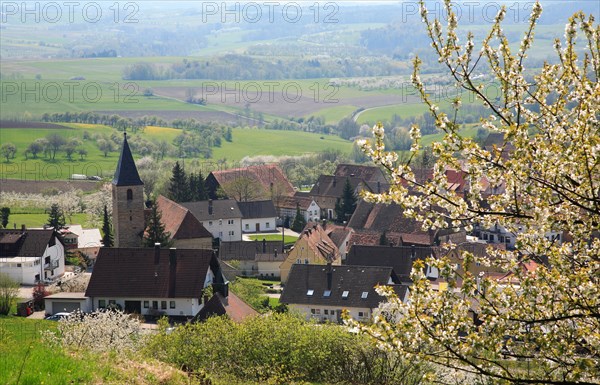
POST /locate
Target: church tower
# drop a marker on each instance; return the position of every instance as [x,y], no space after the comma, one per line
[128,201]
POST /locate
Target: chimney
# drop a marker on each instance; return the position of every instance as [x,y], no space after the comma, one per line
[329,275]
[156,253]
[210,207]
[172,271]
[264,246]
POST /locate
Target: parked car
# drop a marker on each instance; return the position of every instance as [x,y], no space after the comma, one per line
[94,177]
[57,316]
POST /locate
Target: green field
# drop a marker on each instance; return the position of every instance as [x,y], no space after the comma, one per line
[252,142]
[246,142]
[383,114]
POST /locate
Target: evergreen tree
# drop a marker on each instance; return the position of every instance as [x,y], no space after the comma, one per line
[4,215]
[299,222]
[179,190]
[348,200]
[56,218]
[155,232]
[107,238]
[197,189]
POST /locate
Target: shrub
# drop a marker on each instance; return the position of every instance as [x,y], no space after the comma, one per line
[100,331]
[9,290]
[280,348]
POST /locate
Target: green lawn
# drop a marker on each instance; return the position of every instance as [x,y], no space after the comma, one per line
[39,220]
[273,237]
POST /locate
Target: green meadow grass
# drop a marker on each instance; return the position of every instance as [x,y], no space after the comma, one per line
[39,220]
[246,142]
[273,237]
[27,360]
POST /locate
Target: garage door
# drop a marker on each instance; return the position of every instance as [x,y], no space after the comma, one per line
[68,307]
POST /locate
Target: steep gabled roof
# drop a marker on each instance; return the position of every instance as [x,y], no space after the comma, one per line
[299,199]
[257,209]
[399,258]
[333,186]
[179,221]
[355,280]
[126,173]
[269,177]
[367,173]
[25,243]
[319,242]
[221,209]
[248,251]
[232,306]
[133,272]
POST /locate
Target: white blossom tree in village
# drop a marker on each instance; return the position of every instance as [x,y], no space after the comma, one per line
[536,327]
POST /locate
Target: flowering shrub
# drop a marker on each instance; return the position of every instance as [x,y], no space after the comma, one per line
[100,331]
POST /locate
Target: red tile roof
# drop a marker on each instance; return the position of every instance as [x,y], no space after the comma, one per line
[267,175]
[179,221]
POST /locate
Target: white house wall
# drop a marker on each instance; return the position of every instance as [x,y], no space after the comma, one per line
[24,269]
[266,224]
[220,228]
[319,312]
[187,307]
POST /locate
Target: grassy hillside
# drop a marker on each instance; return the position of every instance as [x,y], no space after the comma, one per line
[246,142]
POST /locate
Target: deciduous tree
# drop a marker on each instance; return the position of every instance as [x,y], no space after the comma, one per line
[549,315]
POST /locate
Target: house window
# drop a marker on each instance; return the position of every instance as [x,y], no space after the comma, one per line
[230,222]
[220,222]
[146,304]
[268,225]
[306,261]
[210,223]
[155,305]
[231,233]
[491,237]
[298,260]
[485,236]
[364,295]
[163,304]
[171,304]
[112,302]
[47,260]
[361,314]
[327,293]
[312,311]
[129,194]
[102,303]
[310,292]
[333,312]
[247,227]
[345,294]
[318,311]
[326,312]
[507,239]
[18,265]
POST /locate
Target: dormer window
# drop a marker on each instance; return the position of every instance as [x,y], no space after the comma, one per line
[310,292]
[129,194]
[345,294]
[327,293]
[364,295]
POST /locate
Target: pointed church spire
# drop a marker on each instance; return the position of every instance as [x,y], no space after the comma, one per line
[126,174]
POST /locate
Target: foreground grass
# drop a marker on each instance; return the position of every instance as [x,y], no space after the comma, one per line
[26,359]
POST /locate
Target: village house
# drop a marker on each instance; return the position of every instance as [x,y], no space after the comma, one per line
[288,205]
[155,281]
[184,228]
[232,307]
[258,182]
[29,256]
[377,224]
[324,291]
[88,241]
[222,218]
[312,247]
[254,258]
[258,216]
